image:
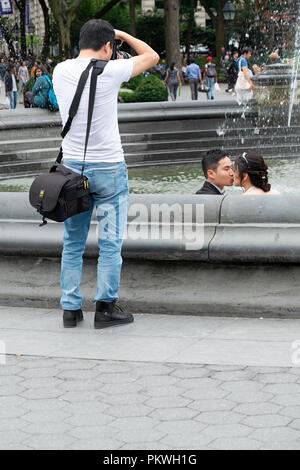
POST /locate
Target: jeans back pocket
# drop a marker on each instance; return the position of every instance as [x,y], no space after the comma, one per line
[103,183]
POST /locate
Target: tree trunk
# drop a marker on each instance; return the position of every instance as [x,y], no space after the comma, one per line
[172,32]
[106,9]
[190,24]
[21,5]
[8,37]
[46,45]
[64,14]
[218,24]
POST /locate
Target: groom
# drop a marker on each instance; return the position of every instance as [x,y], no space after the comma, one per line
[217,169]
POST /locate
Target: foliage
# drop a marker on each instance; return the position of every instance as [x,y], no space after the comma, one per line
[150,28]
[29,85]
[134,82]
[151,89]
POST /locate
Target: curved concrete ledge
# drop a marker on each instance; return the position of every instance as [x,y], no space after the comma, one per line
[248,265]
[236,229]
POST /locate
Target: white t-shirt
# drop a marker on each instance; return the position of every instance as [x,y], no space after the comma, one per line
[14,83]
[104,141]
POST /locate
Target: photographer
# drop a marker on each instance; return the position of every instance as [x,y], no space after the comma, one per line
[104,167]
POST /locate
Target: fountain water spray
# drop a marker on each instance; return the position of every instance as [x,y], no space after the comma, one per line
[296,63]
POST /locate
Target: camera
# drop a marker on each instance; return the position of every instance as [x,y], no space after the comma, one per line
[117,52]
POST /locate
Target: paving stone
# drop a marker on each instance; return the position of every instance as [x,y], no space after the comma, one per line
[113,367]
[186,442]
[14,447]
[122,399]
[237,375]
[49,442]
[11,412]
[41,382]
[268,370]
[81,396]
[10,380]
[168,402]
[78,374]
[286,400]
[120,388]
[284,389]
[123,411]
[79,385]
[41,393]
[224,367]
[145,446]
[8,390]
[116,378]
[228,430]
[38,373]
[212,405]
[295,424]
[97,444]
[37,363]
[201,382]
[252,409]
[11,424]
[15,436]
[169,414]
[292,411]
[144,422]
[205,393]
[242,386]
[12,401]
[47,428]
[69,364]
[152,369]
[276,378]
[93,432]
[295,445]
[191,372]
[44,405]
[276,434]
[249,397]
[184,426]
[236,443]
[89,420]
[10,370]
[171,391]
[140,435]
[157,380]
[219,417]
[51,416]
[85,408]
[266,421]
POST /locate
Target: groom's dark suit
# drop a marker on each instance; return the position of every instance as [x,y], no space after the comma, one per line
[209,188]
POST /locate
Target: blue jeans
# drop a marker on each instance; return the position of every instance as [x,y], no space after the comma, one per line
[109,192]
[13,96]
[210,83]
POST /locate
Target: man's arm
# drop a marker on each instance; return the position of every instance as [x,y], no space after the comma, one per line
[146,56]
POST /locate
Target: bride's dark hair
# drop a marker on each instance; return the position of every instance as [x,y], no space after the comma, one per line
[254,165]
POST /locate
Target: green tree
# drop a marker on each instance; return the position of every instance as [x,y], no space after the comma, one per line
[214,9]
[150,28]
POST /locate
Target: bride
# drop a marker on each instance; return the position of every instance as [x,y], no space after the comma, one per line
[251,173]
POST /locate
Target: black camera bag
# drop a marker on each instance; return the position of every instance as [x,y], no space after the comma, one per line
[62,193]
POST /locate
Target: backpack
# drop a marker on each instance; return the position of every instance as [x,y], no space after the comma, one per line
[211,70]
[63,193]
[52,104]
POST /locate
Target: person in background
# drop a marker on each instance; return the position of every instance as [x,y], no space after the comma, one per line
[33,69]
[210,78]
[38,98]
[242,64]
[23,77]
[251,174]
[193,73]
[11,88]
[218,172]
[274,58]
[232,72]
[173,80]
[2,69]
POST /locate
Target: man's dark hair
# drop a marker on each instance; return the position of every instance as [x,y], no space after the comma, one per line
[95,33]
[246,50]
[212,159]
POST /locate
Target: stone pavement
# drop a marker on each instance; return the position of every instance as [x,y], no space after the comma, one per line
[163,382]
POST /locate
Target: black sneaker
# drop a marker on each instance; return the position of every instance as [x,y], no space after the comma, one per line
[109,314]
[72,317]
